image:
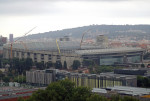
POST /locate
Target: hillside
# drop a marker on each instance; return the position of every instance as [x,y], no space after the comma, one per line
[112,31]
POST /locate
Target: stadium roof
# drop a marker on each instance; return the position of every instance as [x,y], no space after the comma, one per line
[47,45]
[69,45]
[107,51]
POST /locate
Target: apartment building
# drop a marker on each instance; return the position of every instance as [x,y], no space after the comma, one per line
[103,80]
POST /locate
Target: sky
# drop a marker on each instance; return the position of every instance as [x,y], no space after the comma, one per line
[19,16]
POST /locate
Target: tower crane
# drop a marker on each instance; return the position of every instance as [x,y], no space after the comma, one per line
[58,47]
[11,44]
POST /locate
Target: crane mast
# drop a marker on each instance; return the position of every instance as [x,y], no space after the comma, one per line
[11,45]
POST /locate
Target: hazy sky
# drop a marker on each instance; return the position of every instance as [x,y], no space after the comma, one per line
[19,16]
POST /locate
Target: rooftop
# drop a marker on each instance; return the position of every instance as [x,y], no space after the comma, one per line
[134,91]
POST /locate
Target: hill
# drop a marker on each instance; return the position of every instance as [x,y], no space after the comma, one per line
[112,31]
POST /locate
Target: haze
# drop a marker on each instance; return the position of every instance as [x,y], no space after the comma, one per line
[19,16]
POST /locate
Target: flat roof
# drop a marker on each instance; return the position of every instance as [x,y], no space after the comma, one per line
[99,90]
[130,90]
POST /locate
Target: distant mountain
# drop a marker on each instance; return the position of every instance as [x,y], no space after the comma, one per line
[112,31]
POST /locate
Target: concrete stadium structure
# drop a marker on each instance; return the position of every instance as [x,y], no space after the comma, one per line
[70,51]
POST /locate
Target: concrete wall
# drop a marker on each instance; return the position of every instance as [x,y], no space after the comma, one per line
[45,56]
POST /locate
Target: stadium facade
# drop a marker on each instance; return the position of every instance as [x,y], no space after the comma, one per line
[70,51]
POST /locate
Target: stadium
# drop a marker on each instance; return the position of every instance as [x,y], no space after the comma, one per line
[68,50]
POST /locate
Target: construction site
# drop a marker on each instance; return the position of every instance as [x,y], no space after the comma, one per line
[65,49]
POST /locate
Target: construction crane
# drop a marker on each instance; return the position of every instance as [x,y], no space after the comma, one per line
[11,45]
[58,47]
[83,37]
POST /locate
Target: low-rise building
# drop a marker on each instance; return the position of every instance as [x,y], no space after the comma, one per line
[41,77]
[139,71]
[88,80]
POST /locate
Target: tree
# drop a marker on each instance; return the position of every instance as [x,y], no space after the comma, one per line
[81,94]
[15,64]
[0,63]
[142,65]
[20,79]
[28,63]
[58,65]
[6,79]
[5,61]
[76,64]
[1,74]
[143,81]
[40,65]
[96,97]
[65,65]
[49,64]
[63,90]
[129,98]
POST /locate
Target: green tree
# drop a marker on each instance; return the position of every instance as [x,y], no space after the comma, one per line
[20,79]
[63,90]
[65,65]
[0,63]
[40,65]
[143,81]
[129,98]
[81,94]
[96,97]
[28,63]
[49,64]
[6,79]
[58,65]
[5,61]
[76,64]
[142,65]
[1,74]
[116,98]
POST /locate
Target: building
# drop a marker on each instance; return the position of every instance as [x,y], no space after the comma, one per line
[11,39]
[88,80]
[71,50]
[132,91]
[103,80]
[113,56]
[140,71]
[3,40]
[41,77]
[102,41]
